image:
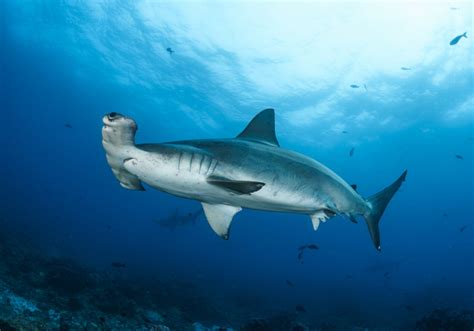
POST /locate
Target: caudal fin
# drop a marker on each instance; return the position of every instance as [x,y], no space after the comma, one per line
[378,202]
[464,34]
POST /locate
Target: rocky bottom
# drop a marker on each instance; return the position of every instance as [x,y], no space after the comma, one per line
[45,293]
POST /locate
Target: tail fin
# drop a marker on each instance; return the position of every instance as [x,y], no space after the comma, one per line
[464,34]
[378,202]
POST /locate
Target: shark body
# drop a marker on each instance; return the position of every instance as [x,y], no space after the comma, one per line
[249,171]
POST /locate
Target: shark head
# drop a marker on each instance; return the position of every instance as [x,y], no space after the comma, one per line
[118,129]
[118,139]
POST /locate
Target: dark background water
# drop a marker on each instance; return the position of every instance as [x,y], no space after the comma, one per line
[72,63]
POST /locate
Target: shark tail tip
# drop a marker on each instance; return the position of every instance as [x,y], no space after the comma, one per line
[378,202]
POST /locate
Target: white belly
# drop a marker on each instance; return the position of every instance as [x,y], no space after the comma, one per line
[185,175]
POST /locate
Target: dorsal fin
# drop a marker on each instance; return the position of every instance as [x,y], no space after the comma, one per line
[354,187]
[261,128]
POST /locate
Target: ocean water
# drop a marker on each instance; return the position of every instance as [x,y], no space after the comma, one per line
[368,89]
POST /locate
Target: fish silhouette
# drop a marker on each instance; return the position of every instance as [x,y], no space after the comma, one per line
[457,38]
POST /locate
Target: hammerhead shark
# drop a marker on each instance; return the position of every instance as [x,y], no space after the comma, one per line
[248,171]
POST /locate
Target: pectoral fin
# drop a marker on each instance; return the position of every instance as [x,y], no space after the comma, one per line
[220,217]
[236,186]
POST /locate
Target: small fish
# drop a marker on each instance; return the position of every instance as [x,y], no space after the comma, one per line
[405,68]
[409,307]
[300,309]
[454,8]
[387,275]
[349,276]
[366,90]
[67,125]
[445,214]
[118,265]
[300,256]
[345,132]
[169,50]
[456,39]
[354,86]
[289,283]
[351,152]
[313,246]
[460,157]
[462,228]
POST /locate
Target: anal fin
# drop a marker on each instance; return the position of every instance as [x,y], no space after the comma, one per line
[220,217]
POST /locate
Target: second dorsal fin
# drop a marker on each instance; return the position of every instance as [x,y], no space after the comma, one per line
[261,128]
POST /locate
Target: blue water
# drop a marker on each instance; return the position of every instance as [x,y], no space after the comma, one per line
[66,64]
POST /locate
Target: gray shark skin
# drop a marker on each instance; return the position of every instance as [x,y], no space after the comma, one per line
[249,171]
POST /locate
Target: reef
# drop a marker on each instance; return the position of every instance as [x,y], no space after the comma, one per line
[38,292]
[446,320]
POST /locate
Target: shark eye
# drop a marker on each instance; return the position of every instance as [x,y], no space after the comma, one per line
[112,116]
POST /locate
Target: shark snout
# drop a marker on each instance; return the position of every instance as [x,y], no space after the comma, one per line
[119,121]
[118,129]
[112,117]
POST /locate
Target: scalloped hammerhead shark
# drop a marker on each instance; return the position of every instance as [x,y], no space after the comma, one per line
[248,171]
